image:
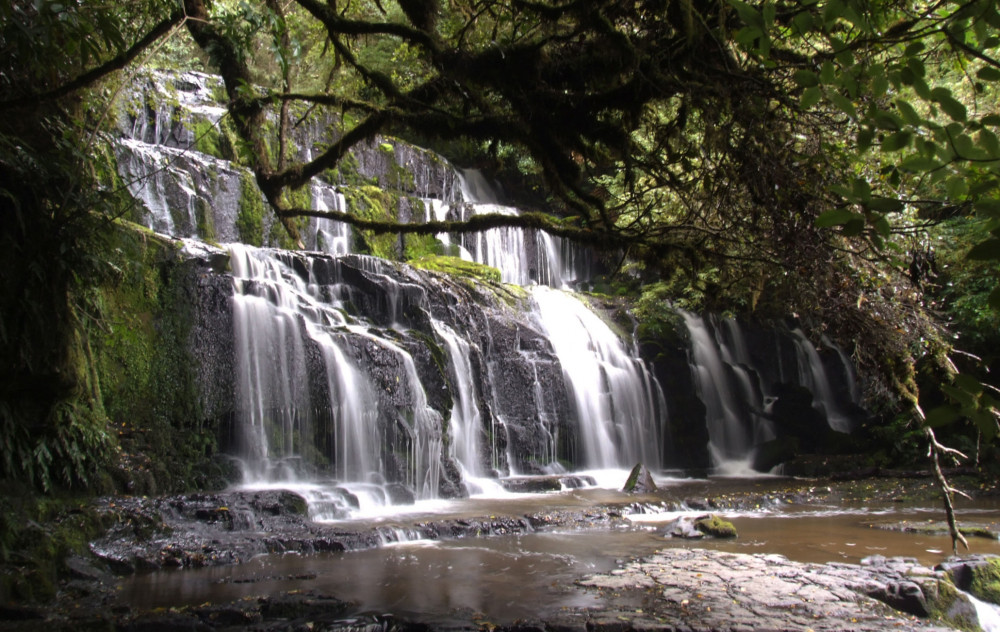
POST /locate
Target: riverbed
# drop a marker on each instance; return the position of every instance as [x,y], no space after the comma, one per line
[532,574]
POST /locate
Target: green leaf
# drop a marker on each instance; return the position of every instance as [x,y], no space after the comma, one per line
[835,217]
[968,384]
[861,190]
[810,97]
[964,399]
[803,21]
[989,142]
[887,120]
[991,119]
[941,416]
[884,205]
[865,137]
[881,224]
[880,85]
[916,164]
[988,73]
[916,66]
[897,141]
[748,15]
[957,187]
[843,103]
[806,78]
[854,227]
[951,106]
[908,112]
[987,208]
[984,251]
[828,74]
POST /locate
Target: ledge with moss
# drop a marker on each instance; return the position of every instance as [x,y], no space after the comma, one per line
[458,267]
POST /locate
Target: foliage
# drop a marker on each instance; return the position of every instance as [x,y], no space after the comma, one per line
[754,157]
[456,266]
[250,216]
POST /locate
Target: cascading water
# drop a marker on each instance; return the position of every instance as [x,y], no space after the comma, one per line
[184,192]
[302,399]
[349,404]
[731,428]
[812,374]
[522,256]
[618,405]
[738,399]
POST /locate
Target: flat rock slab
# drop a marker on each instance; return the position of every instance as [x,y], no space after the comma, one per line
[694,589]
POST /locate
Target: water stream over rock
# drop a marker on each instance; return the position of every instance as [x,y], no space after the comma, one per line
[382,384]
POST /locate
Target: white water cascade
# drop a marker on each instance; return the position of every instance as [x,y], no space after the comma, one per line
[288,338]
[522,256]
[722,385]
[812,374]
[618,405]
[737,390]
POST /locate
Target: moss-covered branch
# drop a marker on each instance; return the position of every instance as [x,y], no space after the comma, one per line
[475,224]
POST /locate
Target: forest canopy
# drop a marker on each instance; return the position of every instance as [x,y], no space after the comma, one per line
[835,159]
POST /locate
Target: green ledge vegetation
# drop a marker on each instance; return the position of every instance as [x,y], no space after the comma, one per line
[458,267]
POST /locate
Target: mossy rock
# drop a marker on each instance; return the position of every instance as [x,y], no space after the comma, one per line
[713,525]
[946,603]
[640,480]
[458,267]
[986,581]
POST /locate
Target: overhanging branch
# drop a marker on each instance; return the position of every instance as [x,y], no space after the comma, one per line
[475,224]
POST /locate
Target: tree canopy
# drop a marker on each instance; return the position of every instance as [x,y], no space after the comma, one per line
[765,157]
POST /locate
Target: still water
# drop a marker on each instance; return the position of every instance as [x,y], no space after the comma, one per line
[530,575]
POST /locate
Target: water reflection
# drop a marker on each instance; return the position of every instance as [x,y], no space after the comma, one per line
[532,575]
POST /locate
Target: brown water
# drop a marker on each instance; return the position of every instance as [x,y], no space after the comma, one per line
[531,575]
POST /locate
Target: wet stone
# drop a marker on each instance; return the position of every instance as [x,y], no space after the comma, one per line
[710,590]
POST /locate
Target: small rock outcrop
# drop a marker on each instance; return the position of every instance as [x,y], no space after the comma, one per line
[698,527]
[640,481]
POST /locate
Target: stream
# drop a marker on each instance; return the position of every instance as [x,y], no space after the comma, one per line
[504,578]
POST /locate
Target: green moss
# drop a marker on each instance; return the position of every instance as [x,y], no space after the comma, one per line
[207,138]
[716,527]
[946,603]
[37,534]
[372,203]
[250,217]
[204,219]
[459,267]
[986,581]
[277,235]
[144,375]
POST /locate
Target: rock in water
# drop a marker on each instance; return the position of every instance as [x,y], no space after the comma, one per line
[715,526]
[640,481]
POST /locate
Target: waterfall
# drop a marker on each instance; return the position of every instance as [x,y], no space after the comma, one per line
[303,399]
[739,389]
[730,429]
[522,256]
[618,405]
[330,236]
[813,375]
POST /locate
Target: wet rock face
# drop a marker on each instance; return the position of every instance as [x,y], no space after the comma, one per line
[709,590]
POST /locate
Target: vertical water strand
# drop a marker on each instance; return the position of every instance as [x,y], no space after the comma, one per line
[729,438]
[269,363]
[617,425]
[502,248]
[733,349]
[466,420]
[332,237]
[812,375]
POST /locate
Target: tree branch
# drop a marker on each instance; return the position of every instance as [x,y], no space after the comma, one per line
[96,74]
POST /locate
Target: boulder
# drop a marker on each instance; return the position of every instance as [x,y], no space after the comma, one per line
[715,526]
[640,481]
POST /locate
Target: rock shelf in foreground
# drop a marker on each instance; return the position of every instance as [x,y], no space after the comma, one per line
[695,589]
